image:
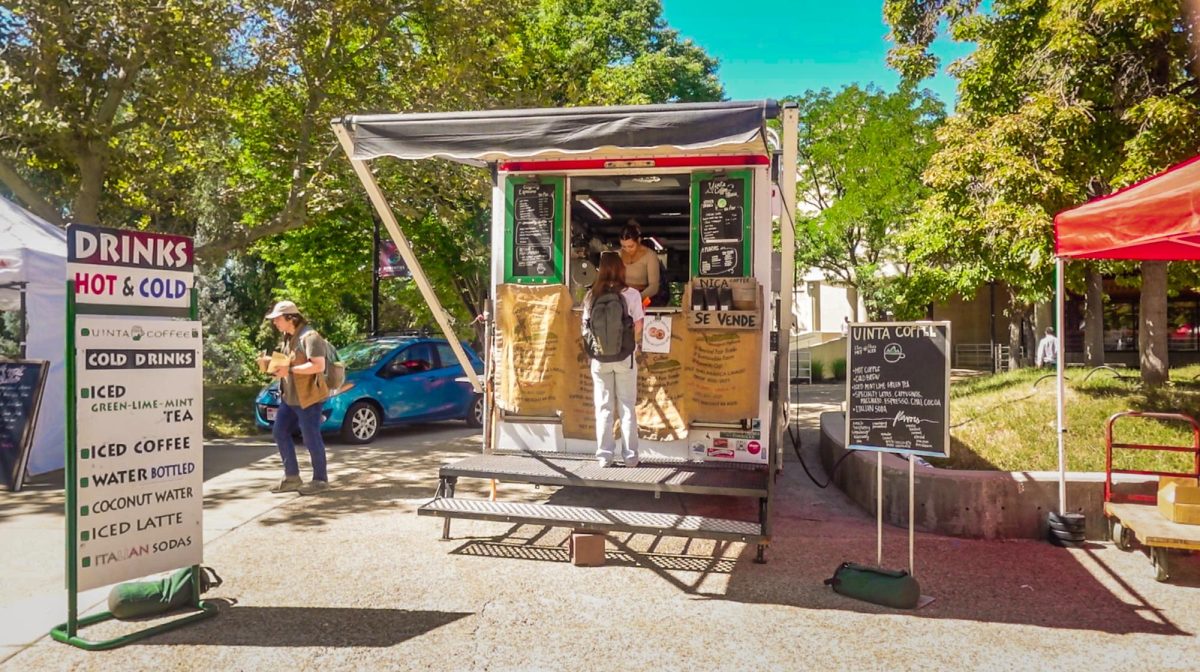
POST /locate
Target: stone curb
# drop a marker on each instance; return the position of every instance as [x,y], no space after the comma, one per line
[980,504]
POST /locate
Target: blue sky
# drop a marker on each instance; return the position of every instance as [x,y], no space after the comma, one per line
[777,49]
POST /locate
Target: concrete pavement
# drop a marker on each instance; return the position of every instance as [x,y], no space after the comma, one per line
[355,580]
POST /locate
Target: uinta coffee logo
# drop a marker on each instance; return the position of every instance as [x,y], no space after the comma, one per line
[892,353]
[136,332]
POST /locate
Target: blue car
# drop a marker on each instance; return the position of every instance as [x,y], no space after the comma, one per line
[391,380]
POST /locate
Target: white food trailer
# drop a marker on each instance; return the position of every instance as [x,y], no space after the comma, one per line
[702,180]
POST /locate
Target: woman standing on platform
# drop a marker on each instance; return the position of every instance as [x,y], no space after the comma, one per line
[614,383]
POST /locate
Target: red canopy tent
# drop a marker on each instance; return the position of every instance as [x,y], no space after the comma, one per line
[1157,219]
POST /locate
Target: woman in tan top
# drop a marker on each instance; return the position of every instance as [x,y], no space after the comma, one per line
[641,264]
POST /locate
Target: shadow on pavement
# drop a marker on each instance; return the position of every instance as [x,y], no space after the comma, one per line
[323,627]
[367,478]
[1021,582]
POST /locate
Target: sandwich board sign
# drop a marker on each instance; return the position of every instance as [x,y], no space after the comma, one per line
[135,452]
[898,387]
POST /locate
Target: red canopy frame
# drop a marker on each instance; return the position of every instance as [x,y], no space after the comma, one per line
[1157,219]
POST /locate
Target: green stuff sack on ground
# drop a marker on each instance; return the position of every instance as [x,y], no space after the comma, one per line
[891,588]
[138,599]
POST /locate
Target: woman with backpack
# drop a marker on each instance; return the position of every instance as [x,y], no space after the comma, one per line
[642,268]
[612,334]
[302,394]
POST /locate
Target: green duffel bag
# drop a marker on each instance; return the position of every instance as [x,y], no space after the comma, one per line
[891,588]
[139,599]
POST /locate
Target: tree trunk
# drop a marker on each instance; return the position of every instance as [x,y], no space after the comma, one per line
[1029,337]
[1016,317]
[852,299]
[85,209]
[1043,316]
[1093,319]
[1152,330]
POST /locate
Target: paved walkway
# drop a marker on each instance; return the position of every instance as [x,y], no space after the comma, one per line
[355,580]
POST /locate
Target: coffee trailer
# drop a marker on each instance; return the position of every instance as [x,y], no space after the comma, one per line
[702,180]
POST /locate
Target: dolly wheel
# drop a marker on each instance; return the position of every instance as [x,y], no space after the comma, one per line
[1158,556]
[1121,536]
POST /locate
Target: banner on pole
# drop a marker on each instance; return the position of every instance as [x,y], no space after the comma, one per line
[391,264]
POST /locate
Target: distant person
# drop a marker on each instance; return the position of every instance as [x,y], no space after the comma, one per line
[302,393]
[846,327]
[612,337]
[1047,349]
[642,269]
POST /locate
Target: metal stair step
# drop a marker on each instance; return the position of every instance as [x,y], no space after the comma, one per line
[736,481]
[594,519]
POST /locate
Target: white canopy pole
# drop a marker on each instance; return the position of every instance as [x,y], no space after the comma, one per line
[1059,298]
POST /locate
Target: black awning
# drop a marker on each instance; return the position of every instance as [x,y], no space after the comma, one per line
[474,137]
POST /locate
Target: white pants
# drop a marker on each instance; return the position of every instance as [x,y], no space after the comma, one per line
[615,388]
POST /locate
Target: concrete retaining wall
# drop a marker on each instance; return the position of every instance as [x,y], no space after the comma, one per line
[987,504]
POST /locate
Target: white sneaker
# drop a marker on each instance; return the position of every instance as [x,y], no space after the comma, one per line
[314,487]
[604,463]
[289,484]
[632,463]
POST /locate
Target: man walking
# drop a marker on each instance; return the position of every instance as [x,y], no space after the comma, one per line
[1047,350]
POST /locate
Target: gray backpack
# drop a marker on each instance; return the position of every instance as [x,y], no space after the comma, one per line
[335,370]
[608,331]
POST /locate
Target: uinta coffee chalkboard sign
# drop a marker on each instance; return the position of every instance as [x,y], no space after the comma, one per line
[721,224]
[898,387]
[534,231]
[21,385]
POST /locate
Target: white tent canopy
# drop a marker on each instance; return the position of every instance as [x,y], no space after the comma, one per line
[34,252]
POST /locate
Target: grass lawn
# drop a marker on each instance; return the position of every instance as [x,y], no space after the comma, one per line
[229,410]
[1007,421]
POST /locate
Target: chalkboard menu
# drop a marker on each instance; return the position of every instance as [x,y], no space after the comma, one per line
[898,386]
[721,224]
[533,230]
[21,385]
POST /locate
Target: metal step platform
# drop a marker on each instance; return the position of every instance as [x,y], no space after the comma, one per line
[594,520]
[730,480]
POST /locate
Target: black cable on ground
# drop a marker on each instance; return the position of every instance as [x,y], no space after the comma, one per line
[795,436]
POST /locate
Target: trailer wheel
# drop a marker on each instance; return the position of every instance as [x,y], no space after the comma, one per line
[1158,556]
[1121,537]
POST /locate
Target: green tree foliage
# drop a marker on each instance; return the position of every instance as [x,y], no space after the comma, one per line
[861,155]
[1060,102]
[212,119]
[543,53]
[102,104]
[609,52]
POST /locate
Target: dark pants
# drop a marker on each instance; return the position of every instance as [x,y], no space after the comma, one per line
[287,418]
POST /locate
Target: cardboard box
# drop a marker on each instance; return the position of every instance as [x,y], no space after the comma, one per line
[587,549]
[747,309]
[1179,499]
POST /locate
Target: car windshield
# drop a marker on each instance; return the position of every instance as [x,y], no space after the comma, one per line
[365,354]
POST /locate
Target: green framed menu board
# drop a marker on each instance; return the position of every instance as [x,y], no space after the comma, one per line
[533,230]
[721,205]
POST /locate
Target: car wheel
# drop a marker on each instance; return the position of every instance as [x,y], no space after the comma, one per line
[475,412]
[361,424]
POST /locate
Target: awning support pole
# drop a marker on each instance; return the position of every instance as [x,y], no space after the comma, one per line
[418,273]
[1059,294]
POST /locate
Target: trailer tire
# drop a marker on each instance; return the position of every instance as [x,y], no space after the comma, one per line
[1121,536]
[1158,557]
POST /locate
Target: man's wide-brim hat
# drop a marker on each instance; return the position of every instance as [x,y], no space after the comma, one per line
[283,308]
